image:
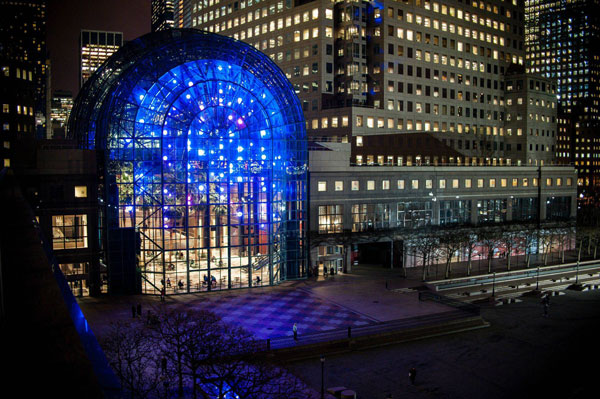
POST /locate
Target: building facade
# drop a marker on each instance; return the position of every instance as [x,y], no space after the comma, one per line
[60,109]
[163,14]
[94,48]
[562,39]
[61,184]
[391,205]
[23,46]
[395,67]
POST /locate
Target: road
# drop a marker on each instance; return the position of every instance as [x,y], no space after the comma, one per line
[522,355]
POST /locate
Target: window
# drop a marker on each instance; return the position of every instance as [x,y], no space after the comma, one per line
[80,191]
[415,184]
[479,183]
[331,218]
[414,214]
[442,183]
[492,183]
[385,184]
[322,186]
[370,216]
[359,141]
[455,212]
[355,185]
[467,183]
[400,184]
[454,183]
[370,185]
[339,186]
[69,231]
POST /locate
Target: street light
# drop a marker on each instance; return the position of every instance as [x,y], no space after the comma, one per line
[322,376]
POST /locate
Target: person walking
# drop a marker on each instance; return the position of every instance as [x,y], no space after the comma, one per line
[295,330]
[546,304]
[139,310]
[162,294]
[412,375]
[133,311]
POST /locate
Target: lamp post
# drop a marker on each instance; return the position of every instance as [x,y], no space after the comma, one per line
[322,376]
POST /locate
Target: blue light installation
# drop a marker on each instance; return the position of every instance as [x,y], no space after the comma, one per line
[205,156]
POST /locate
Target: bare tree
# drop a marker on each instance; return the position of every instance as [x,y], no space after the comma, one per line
[469,244]
[510,240]
[132,356]
[171,335]
[450,241]
[490,238]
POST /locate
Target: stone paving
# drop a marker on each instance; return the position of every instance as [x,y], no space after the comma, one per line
[270,312]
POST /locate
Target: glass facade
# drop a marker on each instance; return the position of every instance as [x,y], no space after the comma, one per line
[206,158]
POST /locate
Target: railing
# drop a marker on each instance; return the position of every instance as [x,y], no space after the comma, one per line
[462,306]
[393,326]
[515,275]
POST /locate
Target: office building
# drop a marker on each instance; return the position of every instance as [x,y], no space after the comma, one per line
[389,68]
[384,214]
[163,14]
[95,48]
[60,109]
[23,49]
[562,44]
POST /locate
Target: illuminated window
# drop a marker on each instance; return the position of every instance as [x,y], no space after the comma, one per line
[80,191]
[322,186]
[69,232]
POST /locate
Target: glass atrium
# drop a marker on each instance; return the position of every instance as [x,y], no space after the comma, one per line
[205,158]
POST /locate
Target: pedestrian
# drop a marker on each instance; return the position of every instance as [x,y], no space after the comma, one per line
[325,271]
[412,374]
[295,330]
[133,311]
[180,284]
[162,294]
[168,282]
[546,304]
[139,310]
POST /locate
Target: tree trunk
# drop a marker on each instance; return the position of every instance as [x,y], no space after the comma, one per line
[447,268]
[469,265]
[424,267]
[508,261]
[490,257]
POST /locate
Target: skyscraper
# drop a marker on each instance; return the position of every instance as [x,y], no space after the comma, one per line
[562,44]
[163,14]
[62,103]
[95,48]
[23,46]
[412,67]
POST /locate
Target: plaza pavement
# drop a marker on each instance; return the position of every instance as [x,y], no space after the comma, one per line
[316,304]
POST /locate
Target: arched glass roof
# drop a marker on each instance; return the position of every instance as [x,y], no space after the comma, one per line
[205,155]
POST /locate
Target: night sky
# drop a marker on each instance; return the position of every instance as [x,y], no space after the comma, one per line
[67,17]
